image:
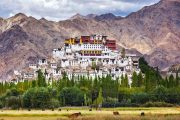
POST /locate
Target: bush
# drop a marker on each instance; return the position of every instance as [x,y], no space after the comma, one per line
[53,92]
[12,92]
[160,94]
[110,102]
[72,96]
[1,105]
[173,96]
[36,98]
[41,98]
[157,104]
[140,98]
[28,98]
[54,103]
[13,102]
[125,103]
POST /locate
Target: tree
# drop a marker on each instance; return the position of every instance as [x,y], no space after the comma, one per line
[160,93]
[109,87]
[41,82]
[36,98]
[95,88]
[143,65]
[41,98]
[99,100]
[122,81]
[94,66]
[177,79]
[140,98]
[166,82]
[12,92]
[71,96]
[13,102]
[140,80]
[123,53]
[54,103]
[125,82]
[147,82]
[134,80]
[62,82]
[171,81]
[33,83]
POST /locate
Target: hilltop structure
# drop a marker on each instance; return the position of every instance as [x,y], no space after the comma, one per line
[89,56]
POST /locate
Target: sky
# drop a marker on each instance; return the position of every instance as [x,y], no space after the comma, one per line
[63,9]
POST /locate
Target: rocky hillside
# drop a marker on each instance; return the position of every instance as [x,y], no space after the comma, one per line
[153,31]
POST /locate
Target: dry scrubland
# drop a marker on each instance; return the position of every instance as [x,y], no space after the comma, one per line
[104,114]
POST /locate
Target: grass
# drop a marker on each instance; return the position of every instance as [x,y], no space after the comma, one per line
[126,113]
[101,117]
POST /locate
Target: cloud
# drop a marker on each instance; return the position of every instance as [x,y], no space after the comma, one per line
[64,9]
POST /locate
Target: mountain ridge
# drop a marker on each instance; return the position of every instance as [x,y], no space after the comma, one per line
[152,31]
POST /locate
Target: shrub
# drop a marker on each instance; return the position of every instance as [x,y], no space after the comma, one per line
[160,93]
[36,97]
[13,102]
[54,103]
[41,98]
[71,96]
[110,102]
[120,104]
[12,92]
[1,105]
[140,98]
[173,96]
[157,104]
[28,98]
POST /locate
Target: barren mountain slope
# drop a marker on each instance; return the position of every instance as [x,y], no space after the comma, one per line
[153,31]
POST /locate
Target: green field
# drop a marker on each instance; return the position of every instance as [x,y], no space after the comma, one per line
[103,114]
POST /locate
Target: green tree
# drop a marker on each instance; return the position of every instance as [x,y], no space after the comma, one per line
[28,98]
[85,100]
[123,52]
[122,81]
[62,82]
[160,93]
[41,98]
[177,79]
[54,103]
[125,82]
[147,82]
[36,98]
[33,83]
[41,82]
[99,100]
[140,81]
[171,81]
[71,96]
[143,65]
[134,80]
[13,102]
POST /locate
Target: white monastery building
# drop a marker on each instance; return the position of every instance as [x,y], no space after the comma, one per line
[89,56]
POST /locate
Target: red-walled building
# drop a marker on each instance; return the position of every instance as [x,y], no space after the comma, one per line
[111,44]
[85,39]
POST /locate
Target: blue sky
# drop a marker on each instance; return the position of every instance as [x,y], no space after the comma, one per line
[63,9]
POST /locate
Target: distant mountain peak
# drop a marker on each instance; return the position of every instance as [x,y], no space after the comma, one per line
[18,16]
[90,16]
[77,16]
[43,19]
[22,15]
[107,16]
